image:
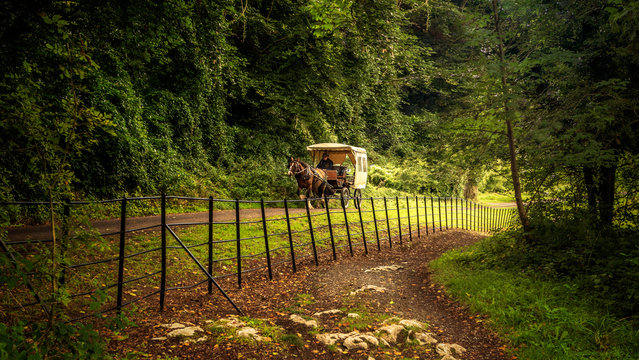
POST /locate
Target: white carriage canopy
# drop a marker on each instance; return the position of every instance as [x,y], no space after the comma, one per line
[336,152]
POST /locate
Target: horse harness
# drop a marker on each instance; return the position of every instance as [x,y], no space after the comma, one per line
[309,172]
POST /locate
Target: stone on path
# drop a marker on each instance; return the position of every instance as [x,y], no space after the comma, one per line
[385,268]
[422,338]
[353,315]
[360,342]
[411,323]
[232,321]
[390,333]
[328,312]
[369,287]
[251,333]
[333,338]
[198,340]
[173,326]
[450,350]
[185,332]
[300,320]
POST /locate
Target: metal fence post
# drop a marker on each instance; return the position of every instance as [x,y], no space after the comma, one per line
[399,219]
[486,218]
[238,245]
[432,212]
[210,264]
[163,245]
[410,230]
[446,212]
[503,218]
[361,222]
[457,212]
[121,254]
[419,233]
[492,218]
[477,217]
[426,215]
[439,211]
[330,227]
[348,230]
[268,250]
[290,235]
[469,215]
[390,242]
[379,246]
[310,229]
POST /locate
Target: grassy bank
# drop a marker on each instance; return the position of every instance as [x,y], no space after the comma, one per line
[541,318]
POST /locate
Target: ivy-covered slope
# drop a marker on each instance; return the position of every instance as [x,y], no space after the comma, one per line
[204,96]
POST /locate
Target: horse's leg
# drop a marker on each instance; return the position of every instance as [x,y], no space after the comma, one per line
[309,193]
[322,192]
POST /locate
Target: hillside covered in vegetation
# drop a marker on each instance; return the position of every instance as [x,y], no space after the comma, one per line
[112,98]
[534,99]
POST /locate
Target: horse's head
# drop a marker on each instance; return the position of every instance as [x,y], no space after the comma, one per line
[294,167]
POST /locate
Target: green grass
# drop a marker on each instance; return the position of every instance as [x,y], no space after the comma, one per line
[495,198]
[541,319]
[364,322]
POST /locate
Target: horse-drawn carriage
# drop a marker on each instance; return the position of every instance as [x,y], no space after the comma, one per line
[348,171]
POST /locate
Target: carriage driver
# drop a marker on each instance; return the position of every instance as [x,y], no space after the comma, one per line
[325,163]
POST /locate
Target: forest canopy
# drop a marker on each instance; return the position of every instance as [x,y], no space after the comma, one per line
[103,99]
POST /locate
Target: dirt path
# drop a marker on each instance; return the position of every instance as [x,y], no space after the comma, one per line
[410,294]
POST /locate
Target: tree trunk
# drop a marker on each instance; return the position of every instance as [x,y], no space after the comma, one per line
[523,216]
[607,177]
[470,190]
[591,190]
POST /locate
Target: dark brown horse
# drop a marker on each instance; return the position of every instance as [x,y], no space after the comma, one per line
[310,179]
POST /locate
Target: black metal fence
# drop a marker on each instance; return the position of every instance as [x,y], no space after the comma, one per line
[124,266]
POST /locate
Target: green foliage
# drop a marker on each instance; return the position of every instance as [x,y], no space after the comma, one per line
[42,341]
[541,317]
[207,98]
[569,249]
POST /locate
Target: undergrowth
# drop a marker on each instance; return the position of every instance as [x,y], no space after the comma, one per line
[571,293]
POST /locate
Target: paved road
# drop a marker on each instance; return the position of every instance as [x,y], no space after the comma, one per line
[43,232]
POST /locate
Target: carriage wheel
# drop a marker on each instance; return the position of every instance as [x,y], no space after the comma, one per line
[357,197]
[346,195]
